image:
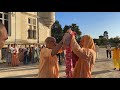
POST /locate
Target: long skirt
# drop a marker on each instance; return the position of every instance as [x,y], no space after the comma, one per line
[15,60]
[9,58]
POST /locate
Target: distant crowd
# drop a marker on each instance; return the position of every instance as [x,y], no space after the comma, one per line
[14,55]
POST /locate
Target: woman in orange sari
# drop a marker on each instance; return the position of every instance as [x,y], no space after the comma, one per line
[86,54]
[15,60]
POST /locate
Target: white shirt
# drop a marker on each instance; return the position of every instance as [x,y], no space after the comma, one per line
[108,47]
[12,49]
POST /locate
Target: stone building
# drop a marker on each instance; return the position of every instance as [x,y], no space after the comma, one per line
[27,27]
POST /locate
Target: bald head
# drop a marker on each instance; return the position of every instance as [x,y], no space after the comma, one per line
[50,42]
[49,39]
[3,35]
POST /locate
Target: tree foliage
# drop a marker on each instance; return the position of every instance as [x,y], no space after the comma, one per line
[56,31]
[115,40]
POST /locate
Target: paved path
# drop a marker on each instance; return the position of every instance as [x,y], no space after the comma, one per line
[103,69]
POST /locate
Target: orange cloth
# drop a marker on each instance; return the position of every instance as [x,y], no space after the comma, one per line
[116,54]
[116,57]
[15,59]
[87,57]
[60,51]
[48,67]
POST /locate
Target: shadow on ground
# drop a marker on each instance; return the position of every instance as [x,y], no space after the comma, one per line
[9,70]
[103,60]
[23,76]
[101,72]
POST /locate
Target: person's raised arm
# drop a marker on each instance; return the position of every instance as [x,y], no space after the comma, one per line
[74,45]
[77,49]
[56,49]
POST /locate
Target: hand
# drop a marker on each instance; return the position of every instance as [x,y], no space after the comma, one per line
[69,31]
[66,39]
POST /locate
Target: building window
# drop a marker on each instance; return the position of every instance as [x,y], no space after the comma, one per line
[6,24]
[30,34]
[34,34]
[0,20]
[0,15]
[29,20]
[32,28]
[4,18]
[34,21]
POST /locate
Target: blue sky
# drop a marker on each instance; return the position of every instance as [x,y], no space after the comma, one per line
[92,23]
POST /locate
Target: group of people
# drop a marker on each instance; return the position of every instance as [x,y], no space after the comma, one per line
[83,54]
[84,61]
[12,55]
[48,66]
[114,53]
[15,55]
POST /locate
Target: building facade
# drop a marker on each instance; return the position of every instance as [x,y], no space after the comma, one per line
[27,27]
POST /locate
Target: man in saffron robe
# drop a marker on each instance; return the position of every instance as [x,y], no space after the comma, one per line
[48,67]
[86,54]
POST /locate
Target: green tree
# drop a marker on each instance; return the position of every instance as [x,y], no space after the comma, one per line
[65,28]
[111,40]
[116,40]
[56,31]
[97,41]
[103,41]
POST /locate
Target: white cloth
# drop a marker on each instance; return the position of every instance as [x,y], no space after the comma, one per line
[12,50]
[108,47]
[97,48]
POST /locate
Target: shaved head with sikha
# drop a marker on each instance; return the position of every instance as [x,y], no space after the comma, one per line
[50,42]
